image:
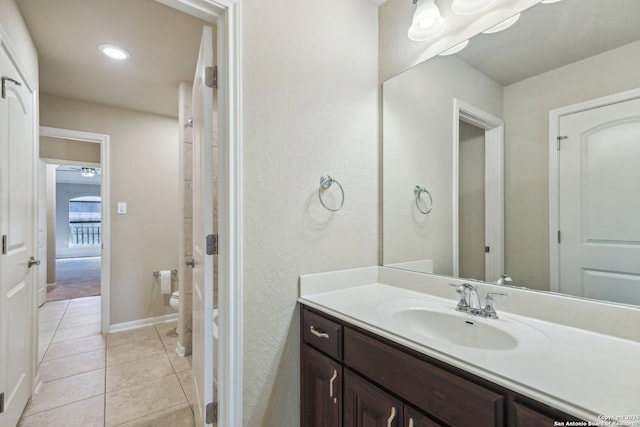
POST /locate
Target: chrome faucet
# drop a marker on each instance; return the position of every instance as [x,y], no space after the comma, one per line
[472,304]
[503,279]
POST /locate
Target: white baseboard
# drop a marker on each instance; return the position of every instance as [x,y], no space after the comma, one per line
[134,324]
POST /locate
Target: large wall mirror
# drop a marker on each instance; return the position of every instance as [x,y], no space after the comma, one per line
[520,155]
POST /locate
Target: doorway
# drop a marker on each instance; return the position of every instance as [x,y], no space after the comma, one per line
[478,191]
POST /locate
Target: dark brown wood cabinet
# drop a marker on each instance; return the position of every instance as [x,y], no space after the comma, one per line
[365,405]
[354,378]
[321,390]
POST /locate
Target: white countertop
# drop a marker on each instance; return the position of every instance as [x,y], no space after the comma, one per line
[583,373]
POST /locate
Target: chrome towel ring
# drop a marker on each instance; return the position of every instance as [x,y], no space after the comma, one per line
[325,183]
[417,191]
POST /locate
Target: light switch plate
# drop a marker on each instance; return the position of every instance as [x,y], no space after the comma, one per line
[122,208]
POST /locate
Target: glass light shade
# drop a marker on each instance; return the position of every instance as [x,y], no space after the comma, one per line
[88,172]
[550,1]
[457,48]
[469,7]
[427,21]
[503,25]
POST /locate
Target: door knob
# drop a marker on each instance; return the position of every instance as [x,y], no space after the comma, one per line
[32,261]
[191,263]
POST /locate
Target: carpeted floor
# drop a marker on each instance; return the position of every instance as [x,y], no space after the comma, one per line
[75,278]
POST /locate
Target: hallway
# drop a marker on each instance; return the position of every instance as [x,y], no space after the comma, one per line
[128,378]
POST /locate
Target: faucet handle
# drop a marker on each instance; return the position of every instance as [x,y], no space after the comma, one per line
[489,310]
[463,305]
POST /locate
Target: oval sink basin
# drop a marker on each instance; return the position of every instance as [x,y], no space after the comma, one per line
[440,322]
[467,332]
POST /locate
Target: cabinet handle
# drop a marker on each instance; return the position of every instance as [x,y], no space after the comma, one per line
[318,333]
[333,378]
[392,417]
[410,422]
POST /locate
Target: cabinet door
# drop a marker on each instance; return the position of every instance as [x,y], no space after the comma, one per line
[365,405]
[321,390]
[415,418]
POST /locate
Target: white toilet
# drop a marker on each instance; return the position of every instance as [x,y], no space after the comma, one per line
[174,301]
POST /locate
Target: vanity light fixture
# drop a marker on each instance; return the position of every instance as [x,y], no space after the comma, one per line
[427,20]
[457,48]
[469,7]
[503,25]
[114,52]
[88,172]
[550,1]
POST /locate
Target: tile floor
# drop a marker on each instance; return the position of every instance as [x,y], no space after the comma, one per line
[129,378]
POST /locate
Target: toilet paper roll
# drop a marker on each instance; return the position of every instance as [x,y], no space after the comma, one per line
[165,281]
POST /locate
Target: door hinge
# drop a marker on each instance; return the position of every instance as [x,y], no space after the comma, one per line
[212,244]
[487,249]
[558,236]
[4,244]
[558,139]
[1,403]
[211,77]
[211,413]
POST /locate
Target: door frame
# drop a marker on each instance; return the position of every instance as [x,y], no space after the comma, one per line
[494,185]
[225,14]
[105,190]
[554,170]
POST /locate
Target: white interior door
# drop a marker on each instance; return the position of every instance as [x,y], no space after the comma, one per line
[42,233]
[203,226]
[17,230]
[599,207]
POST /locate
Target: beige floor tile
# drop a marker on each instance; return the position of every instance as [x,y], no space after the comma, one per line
[170,341]
[55,305]
[82,311]
[139,334]
[67,390]
[75,333]
[130,403]
[179,363]
[134,350]
[44,337]
[186,381]
[72,365]
[51,315]
[138,371]
[81,345]
[85,413]
[166,327]
[84,302]
[50,325]
[177,416]
[73,321]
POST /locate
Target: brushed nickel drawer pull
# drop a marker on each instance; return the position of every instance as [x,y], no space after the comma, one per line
[333,378]
[392,417]
[318,333]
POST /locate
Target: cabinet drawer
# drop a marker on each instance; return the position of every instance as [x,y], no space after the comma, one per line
[323,334]
[445,396]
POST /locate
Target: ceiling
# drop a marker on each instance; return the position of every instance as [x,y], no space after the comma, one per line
[163,42]
[548,36]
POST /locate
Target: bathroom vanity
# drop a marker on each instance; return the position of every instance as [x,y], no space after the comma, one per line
[375,353]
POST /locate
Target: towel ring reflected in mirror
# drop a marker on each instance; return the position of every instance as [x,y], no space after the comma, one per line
[417,192]
[325,183]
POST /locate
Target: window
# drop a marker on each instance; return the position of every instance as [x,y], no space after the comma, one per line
[85,221]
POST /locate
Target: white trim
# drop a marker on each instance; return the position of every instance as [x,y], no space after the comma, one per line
[554,169]
[135,324]
[105,188]
[226,15]
[494,185]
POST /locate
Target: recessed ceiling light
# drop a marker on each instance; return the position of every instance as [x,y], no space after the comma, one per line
[503,25]
[114,52]
[457,48]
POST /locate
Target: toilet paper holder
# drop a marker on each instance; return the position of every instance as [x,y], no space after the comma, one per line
[173,272]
